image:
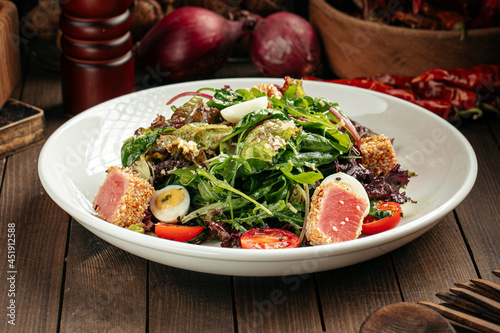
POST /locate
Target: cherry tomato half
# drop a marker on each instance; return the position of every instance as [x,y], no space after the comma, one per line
[269,238]
[372,225]
[180,233]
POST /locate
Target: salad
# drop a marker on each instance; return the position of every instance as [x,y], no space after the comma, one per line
[263,167]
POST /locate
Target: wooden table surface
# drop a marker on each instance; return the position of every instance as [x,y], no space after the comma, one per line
[68,280]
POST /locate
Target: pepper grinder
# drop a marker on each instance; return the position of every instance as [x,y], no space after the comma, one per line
[97,62]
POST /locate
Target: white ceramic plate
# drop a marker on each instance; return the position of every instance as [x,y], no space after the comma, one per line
[73,161]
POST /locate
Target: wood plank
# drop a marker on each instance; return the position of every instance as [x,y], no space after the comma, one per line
[433,262]
[3,161]
[350,294]
[40,228]
[39,246]
[109,307]
[185,301]
[479,213]
[105,288]
[277,304]
[494,126]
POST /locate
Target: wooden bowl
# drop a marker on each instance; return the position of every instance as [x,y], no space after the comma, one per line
[356,47]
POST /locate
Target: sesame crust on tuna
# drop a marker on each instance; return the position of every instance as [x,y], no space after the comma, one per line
[313,233]
[134,203]
[378,154]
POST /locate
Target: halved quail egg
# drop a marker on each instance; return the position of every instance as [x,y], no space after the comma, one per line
[170,204]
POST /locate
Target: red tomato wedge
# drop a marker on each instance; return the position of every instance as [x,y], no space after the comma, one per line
[373,226]
[180,233]
[269,238]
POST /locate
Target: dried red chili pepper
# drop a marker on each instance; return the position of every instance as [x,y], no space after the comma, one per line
[451,94]
[461,98]
[442,108]
[475,78]
[453,20]
[450,19]
[492,70]
[489,78]
[397,81]
[415,20]
[465,78]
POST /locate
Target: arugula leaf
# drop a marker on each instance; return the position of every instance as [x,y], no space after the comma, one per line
[186,176]
[224,98]
[210,193]
[252,167]
[280,190]
[135,146]
[312,159]
[263,163]
[250,94]
[224,165]
[299,106]
[225,185]
[285,213]
[281,212]
[314,142]
[302,178]
[220,205]
[321,104]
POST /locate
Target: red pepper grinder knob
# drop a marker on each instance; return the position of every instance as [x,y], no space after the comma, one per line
[97,62]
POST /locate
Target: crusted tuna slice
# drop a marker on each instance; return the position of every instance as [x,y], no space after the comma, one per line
[123,197]
[378,154]
[336,214]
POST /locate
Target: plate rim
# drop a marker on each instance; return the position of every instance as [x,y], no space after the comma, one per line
[322,251]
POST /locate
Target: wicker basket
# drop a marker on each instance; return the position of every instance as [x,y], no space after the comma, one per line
[355,47]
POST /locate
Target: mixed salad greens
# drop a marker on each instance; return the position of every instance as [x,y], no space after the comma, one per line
[259,172]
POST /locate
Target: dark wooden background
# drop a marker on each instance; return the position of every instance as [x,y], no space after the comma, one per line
[68,280]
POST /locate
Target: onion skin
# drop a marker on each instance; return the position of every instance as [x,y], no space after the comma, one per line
[188,43]
[285,44]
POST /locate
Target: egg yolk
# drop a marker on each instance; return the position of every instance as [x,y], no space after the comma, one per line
[169,198]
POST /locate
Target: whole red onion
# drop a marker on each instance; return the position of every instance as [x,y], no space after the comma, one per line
[188,43]
[285,44]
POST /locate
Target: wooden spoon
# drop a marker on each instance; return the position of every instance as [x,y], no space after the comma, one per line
[406,317]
